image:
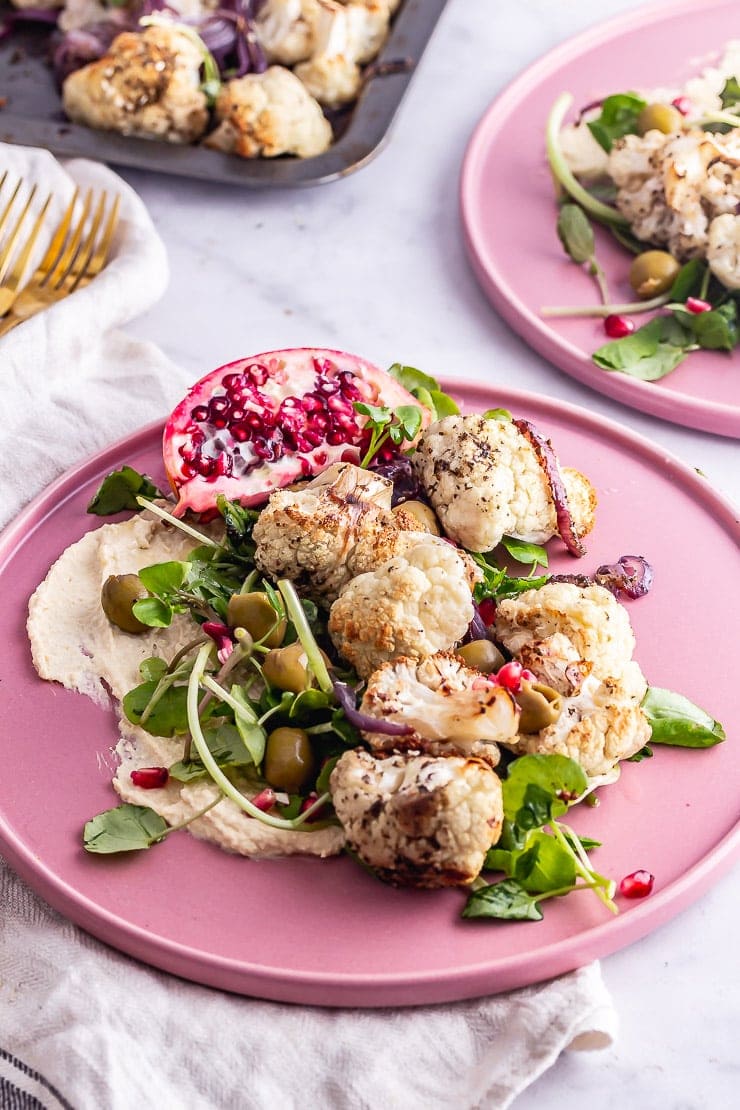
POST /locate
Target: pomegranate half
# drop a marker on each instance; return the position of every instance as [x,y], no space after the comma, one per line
[265,421]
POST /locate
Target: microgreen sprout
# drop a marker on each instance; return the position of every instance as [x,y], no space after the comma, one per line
[577,236]
[305,635]
[601,212]
[194,534]
[397,425]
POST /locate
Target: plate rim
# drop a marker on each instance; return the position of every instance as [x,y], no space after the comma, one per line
[353,988]
[715,417]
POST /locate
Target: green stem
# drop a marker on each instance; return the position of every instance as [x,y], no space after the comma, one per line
[632,308]
[194,817]
[305,635]
[224,784]
[719,117]
[186,528]
[598,273]
[590,876]
[376,442]
[706,278]
[165,683]
[225,696]
[563,173]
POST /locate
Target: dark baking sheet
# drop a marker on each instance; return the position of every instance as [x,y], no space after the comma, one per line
[32,115]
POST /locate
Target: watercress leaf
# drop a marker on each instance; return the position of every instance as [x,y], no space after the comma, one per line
[644,753]
[527,553]
[252,735]
[557,777]
[409,418]
[498,414]
[618,117]
[676,721]
[498,859]
[730,93]
[127,828]
[322,782]
[293,808]
[538,806]
[307,702]
[164,578]
[188,770]
[346,732]
[507,900]
[587,842]
[153,611]
[168,717]
[119,491]
[688,280]
[545,865]
[649,353]
[152,669]
[379,415]
[716,330]
[411,378]
[442,404]
[575,233]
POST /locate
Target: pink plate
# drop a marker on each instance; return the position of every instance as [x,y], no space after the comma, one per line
[509,213]
[325,932]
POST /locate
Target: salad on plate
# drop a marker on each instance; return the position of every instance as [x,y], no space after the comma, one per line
[660,169]
[336,631]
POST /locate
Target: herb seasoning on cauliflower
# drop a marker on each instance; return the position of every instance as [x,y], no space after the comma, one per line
[420,822]
[484,481]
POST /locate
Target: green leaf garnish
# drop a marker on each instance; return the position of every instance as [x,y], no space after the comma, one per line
[118,492]
[649,353]
[498,414]
[169,715]
[164,578]
[618,117]
[534,778]
[531,554]
[730,94]
[507,900]
[575,233]
[676,721]
[426,389]
[127,828]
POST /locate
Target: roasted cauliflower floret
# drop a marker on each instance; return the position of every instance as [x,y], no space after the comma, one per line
[148,85]
[267,114]
[602,724]
[309,535]
[420,821]
[344,38]
[484,481]
[555,662]
[452,708]
[672,187]
[415,605]
[285,29]
[590,617]
[723,249]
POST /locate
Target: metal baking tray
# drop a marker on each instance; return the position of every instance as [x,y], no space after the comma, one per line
[32,115]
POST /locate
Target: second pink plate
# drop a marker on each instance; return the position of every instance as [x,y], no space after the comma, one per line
[325,932]
[509,212]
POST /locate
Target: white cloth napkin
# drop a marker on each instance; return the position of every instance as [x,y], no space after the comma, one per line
[80,1024]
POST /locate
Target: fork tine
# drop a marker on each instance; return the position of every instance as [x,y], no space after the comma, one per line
[57,240]
[84,255]
[98,259]
[9,205]
[19,265]
[7,251]
[56,276]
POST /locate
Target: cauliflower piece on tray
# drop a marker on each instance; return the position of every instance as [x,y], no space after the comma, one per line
[484,481]
[419,821]
[415,605]
[671,188]
[147,85]
[332,74]
[285,29]
[310,534]
[452,708]
[267,114]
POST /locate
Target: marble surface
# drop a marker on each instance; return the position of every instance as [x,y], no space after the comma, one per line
[374,263]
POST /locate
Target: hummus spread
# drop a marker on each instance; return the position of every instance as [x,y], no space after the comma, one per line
[74,643]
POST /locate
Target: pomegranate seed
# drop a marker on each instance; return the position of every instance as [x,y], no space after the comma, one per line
[218,406]
[637,885]
[220,422]
[616,327]
[258,373]
[199,414]
[305,468]
[239,432]
[487,610]
[264,800]
[307,803]
[510,676]
[335,438]
[205,466]
[150,778]
[696,306]
[683,105]
[189,452]
[349,456]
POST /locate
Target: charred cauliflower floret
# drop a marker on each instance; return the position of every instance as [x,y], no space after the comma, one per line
[599,726]
[285,29]
[415,605]
[452,708]
[671,188]
[344,38]
[420,821]
[723,249]
[309,535]
[267,114]
[484,481]
[147,85]
[555,662]
[590,617]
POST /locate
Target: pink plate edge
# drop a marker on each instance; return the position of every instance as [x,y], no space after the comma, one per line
[665,403]
[339,989]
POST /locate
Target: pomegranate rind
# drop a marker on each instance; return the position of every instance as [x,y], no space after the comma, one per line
[258,387]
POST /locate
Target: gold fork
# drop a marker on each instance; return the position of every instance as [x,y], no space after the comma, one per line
[10,281]
[70,261]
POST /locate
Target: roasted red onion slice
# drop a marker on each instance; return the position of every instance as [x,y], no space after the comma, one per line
[477,629]
[399,471]
[546,458]
[345,695]
[631,575]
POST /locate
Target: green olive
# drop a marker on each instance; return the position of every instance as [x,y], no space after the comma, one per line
[422,514]
[289,759]
[254,612]
[660,117]
[653,273]
[540,705]
[482,654]
[117,597]
[287,668]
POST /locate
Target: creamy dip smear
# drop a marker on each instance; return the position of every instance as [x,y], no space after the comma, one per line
[73,642]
